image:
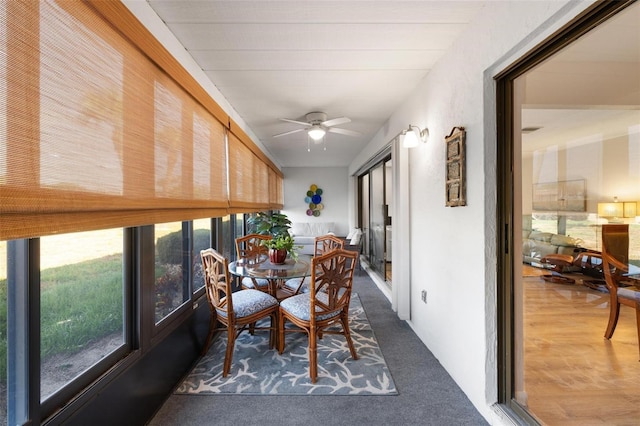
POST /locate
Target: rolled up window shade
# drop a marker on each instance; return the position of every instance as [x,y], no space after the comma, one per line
[248,178]
[276,201]
[97,135]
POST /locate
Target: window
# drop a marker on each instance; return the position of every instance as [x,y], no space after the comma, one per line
[201,241]
[171,277]
[100,128]
[82,300]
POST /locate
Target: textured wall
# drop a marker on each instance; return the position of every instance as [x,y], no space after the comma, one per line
[453,249]
[332,180]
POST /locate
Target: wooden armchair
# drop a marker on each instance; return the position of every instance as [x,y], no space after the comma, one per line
[322,244]
[250,247]
[326,304]
[235,311]
[615,257]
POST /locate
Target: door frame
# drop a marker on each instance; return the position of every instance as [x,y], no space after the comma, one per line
[508,224]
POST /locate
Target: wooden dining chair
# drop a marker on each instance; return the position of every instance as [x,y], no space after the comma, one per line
[326,304]
[235,311]
[615,261]
[250,247]
[322,244]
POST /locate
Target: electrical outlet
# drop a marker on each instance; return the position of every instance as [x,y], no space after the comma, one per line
[424,296]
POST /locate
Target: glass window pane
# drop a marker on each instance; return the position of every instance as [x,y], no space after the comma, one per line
[226,243]
[171,278]
[82,303]
[238,226]
[201,241]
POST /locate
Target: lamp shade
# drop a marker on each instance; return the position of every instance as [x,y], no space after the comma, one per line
[316,132]
[630,209]
[610,209]
[410,139]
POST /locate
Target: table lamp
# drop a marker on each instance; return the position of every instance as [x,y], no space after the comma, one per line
[612,211]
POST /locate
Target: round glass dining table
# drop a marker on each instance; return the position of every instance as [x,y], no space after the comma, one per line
[276,274]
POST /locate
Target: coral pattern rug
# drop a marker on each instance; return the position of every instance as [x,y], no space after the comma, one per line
[258,370]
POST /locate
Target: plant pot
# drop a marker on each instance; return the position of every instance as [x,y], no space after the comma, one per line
[277,256]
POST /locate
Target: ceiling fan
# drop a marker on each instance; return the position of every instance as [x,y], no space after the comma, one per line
[317,126]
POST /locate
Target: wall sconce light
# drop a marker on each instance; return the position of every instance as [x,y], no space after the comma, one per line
[629,209]
[413,135]
[612,211]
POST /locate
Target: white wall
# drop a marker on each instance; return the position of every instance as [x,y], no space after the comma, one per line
[335,197]
[453,250]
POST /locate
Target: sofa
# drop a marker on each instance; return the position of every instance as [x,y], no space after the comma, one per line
[304,234]
[537,244]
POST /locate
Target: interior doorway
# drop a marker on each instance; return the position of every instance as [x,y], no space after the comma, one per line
[572,141]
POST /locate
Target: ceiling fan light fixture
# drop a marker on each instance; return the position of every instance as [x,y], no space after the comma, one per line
[316,132]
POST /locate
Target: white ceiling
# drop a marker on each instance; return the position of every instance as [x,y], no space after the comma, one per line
[284,59]
[361,59]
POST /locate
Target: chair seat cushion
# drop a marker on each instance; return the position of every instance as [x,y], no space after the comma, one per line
[294,283]
[249,302]
[629,293]
[300,306]
[248,282]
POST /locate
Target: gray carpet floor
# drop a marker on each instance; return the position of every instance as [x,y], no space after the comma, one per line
[427,394]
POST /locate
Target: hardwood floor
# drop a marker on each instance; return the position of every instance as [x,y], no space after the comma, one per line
[572,374]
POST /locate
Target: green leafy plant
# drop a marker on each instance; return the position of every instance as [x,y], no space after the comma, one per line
[283,242]
[268,223]
[277,225]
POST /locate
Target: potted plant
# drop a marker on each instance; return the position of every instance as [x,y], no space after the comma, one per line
[279,247]
[277,225]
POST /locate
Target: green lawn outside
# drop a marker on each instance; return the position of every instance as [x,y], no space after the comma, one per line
[75,311]
[82,290]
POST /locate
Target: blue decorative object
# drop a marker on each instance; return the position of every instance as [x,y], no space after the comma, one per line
[314,199]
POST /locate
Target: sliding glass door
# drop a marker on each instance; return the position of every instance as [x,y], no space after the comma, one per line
[575,140]
[375,219]
[376,224]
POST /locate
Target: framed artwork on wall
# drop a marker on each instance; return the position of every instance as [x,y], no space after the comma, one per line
[566,196]
[455,179]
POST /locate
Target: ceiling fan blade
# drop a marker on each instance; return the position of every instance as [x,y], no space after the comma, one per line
[287,133]
[336,121]
[344,131]
[305,124]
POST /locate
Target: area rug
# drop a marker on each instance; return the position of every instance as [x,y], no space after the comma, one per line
[258,370]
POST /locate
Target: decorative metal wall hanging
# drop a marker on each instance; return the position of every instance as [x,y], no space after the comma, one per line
[456,185]
[314,200]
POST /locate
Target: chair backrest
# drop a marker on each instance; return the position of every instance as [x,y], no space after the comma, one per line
[326,243]
[217,282]
[331,282]
[615,254]
[250,246]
